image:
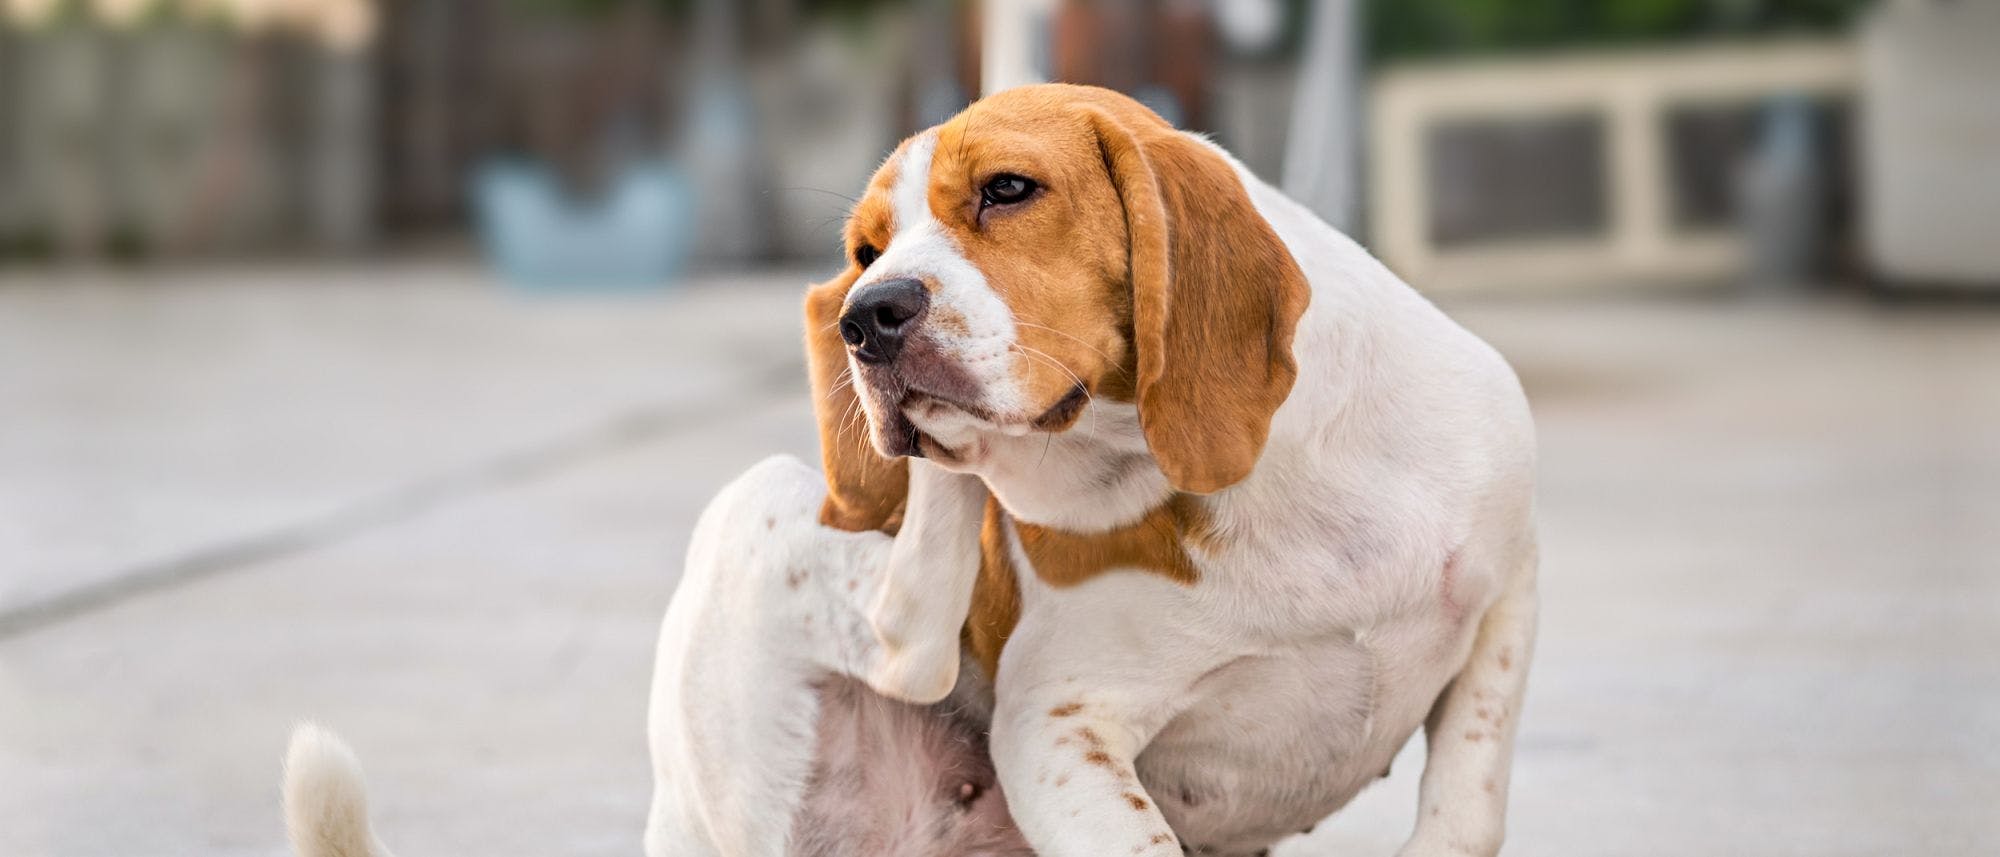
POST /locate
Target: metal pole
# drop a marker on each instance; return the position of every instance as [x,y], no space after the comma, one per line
[1322,154]
[1013,43]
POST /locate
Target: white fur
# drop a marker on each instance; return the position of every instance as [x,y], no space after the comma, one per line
[326,802]
[770,605]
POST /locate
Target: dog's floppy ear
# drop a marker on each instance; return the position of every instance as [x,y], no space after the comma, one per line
[1215,297]
[864,490]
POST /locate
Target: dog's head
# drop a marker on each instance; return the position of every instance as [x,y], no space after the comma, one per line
[1050,246]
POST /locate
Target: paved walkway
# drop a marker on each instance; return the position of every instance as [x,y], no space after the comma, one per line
[445,519]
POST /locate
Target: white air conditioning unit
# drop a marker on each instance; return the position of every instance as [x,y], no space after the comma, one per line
[1930,166]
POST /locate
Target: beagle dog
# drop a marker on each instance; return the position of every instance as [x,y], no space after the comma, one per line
[1139,481]
[1258,509]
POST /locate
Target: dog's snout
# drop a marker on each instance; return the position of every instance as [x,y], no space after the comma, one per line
[879,316]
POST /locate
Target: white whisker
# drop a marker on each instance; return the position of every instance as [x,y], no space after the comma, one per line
[1073,338]
[1088,399]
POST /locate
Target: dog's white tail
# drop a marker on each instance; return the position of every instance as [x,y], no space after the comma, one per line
[326,803]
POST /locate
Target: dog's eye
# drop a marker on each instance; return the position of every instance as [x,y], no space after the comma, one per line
[865,255]
[1006,189]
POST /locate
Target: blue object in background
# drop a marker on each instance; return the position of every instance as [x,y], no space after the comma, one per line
[634,234]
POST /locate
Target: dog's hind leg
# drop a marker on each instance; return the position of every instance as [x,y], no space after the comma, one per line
[771,605]
[1462,802]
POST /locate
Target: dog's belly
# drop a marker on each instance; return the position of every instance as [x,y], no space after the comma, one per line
[1279,742]
[891,779]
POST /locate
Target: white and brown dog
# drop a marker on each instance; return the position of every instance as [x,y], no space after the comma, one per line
[1216,512]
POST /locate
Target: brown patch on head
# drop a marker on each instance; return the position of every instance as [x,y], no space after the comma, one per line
[1056,259]
[1138,269]
[1136,802]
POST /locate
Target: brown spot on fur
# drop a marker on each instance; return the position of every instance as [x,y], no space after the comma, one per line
[1475,737]
[1099,758]
[1066,709]
[1156,543]
[1138,803]
[948,321]
[1491,787]
[794,578]
[853,584]
[1161,839]
[1484,713]
[996,595]
[1090,737]
[1506,658]
[770,523]
[1062,780]
[1454,611]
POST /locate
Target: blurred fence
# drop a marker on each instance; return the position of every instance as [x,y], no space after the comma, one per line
[1511,142]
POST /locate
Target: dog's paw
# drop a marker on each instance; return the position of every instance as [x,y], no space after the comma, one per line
[1436,841]
[920,675]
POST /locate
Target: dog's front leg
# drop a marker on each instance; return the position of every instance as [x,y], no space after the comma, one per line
[1071,718]
[917,601]
[1462,802]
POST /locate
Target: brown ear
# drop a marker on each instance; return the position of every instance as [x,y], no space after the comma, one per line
[1215,297]
[864,490]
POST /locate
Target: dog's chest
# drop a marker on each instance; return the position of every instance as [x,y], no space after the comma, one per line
[1304,665]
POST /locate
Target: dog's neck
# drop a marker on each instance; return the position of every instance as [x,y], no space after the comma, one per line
[1093,477]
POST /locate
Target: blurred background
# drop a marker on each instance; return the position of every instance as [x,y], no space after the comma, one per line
[369,361]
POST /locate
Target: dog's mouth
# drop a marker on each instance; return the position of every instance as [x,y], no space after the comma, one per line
[927,424]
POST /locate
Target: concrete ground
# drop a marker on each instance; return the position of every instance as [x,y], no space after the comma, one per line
[444,519]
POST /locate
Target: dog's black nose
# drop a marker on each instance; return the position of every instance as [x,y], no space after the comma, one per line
[879,316]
